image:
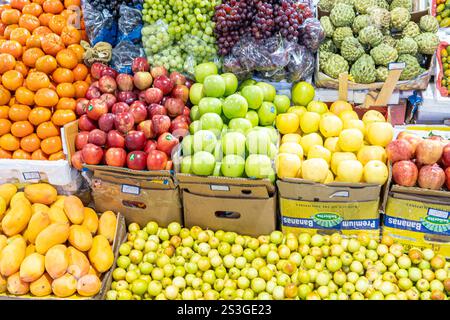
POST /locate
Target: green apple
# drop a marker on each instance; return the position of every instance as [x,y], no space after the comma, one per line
[233,143]
[240,124]
[212,122]
[210,105]
[195,113]
[267,114]
[252,116]
[258,142]
[248,82]
[233,166]
[269,91]
[203,70]
[187,145]
[216,172]
[258,166]
[204,140]
[203,163]
[273,133]
[235,106]
[282,102]
[195,126]
[254,96]
[231,83]
[224,129]
[214,86]
[186,164]
[218,153]
[196,93]
[273,151]
[302,93]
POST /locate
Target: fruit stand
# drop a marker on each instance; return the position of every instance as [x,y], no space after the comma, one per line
[222,150]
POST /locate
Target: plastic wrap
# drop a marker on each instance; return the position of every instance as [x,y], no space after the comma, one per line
[301,64]
[311,34]
[124,54]
[100,25]
[155,37]
[130,24]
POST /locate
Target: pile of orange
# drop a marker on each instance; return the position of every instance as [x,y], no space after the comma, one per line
[41,75]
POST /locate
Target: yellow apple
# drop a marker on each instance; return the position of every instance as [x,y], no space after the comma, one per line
[287,123]
[317,107]
[329,178]
[375,171]
[340,106]
[330,126]
[315,169]
[310,140]
[299,111]
[331,144]
[288,165]
[350,171]
[380,133]
[310,122]
[348,115]
[350,140]
[337,157]
[292,148]
[373,116]
[291,137]
[319,152]
[368,153]
[355,124]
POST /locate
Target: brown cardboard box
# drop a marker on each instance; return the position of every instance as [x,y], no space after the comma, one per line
[241,205]
[141,196]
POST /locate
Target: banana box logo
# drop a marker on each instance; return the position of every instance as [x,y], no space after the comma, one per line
[436,221]
[327,220]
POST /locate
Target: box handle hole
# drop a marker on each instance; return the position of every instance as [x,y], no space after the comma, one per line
[134,204]
[245,191]
[228,214]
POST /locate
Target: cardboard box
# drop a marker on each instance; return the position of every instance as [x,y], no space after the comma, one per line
[141,196]
[346,208]
[245,206]
[119,238]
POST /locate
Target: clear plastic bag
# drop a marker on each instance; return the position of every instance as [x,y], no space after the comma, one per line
[301,63]
[311,34]
[124,54]
[232,64]
[100,25]
[130,24]
[155,37]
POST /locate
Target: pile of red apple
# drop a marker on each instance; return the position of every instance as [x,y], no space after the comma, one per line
[132,121]
[418,161]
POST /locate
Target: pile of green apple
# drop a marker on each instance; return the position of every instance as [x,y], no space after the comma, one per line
[180,263]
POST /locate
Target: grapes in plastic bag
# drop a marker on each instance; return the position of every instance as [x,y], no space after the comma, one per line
[155,37]
[172,58]
[301,63]
[232,64]
[130,24]
[311,34]
[124,54]
[197,48]
[100,25]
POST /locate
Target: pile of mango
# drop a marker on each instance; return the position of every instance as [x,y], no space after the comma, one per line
[443,13]
[445,59]
[52,244]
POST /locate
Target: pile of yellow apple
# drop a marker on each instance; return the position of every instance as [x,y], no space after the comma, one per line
[327,145]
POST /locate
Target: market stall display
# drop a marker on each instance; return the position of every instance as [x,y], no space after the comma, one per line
[443,77]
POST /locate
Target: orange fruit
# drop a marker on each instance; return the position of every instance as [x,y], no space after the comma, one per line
[30,143]
[12,79]
[19,112]
[80,72]
[51,145]
[34,41]
[46,130]
[57,24]
[40,2]
[57,156]
[21,154]
[5,126]
[65,90]
[44,18]
[5,154]
[5,95]
[10,16]
[53,6]
[9,29]
[9,143]
[37,80]
[19,4]
[25,96]
[21,129]
[46,64]
[7,62]
[29,22]
[61,75]
[33,9]
[4,110]
[66,104]
[2,29]
[41,31]
[46,97]
[78,49]
[31,55]
[70,35]
[68,3]
[20,35]
[62,117]
[22,68]
[67,59]
[52,44]
[39,115]
[39,155]
[12,47]
[81,88]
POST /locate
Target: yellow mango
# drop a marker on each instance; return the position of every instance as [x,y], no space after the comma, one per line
[107,225]
[19,198]
[3,242]
[41,193]
[78,263]
[59,202]
[56,214]
[64,286]
[32,267]
[31,248]
[88,285]
[101,254]
[42,286]
[38,222]
[54,234]
[57,261]
[93,271]
[80,237]
[39,207]
[74,209]
[3,206]
[16,220]
[12,256]
[90,220]
[16,286]
[7,191]
[2,284]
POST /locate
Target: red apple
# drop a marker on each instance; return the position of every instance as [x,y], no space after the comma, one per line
[124,82]
[169,165]
[142,80]
[429,151]
[95,84]
[81,106]
[164,83]
[153,95]
[108,71]
[139,111]
[97,137]
[115,157]
[120,107]
[155,109]
[92,154]
[412,138]
[97,69]
[399,150]
[447,175]
[431,177]
[137,160]
[146,127]
[86,124]
[166,143]
[93,92]
[135,140]
[109,99]
[183,118]
[140,64]
[174,107]
[181,92]
[107,84]
[158,71]
[96,109]
[77,160]
[446,156]
[149,146]
[164,99]
[81,139]
[405,173]
[178,124]
[177,78]
[115,140]
[127,96]
[141,97]
[161,124]
[124,122]
[187,113]
[156,160]
[106,122]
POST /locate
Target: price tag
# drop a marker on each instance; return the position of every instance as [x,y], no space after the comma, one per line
[219,188]
[396,66]
[33,175]
[340,194]
[126,188]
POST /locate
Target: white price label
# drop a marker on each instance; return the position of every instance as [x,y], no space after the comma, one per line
[219,188]
[126,188]
[33,175]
